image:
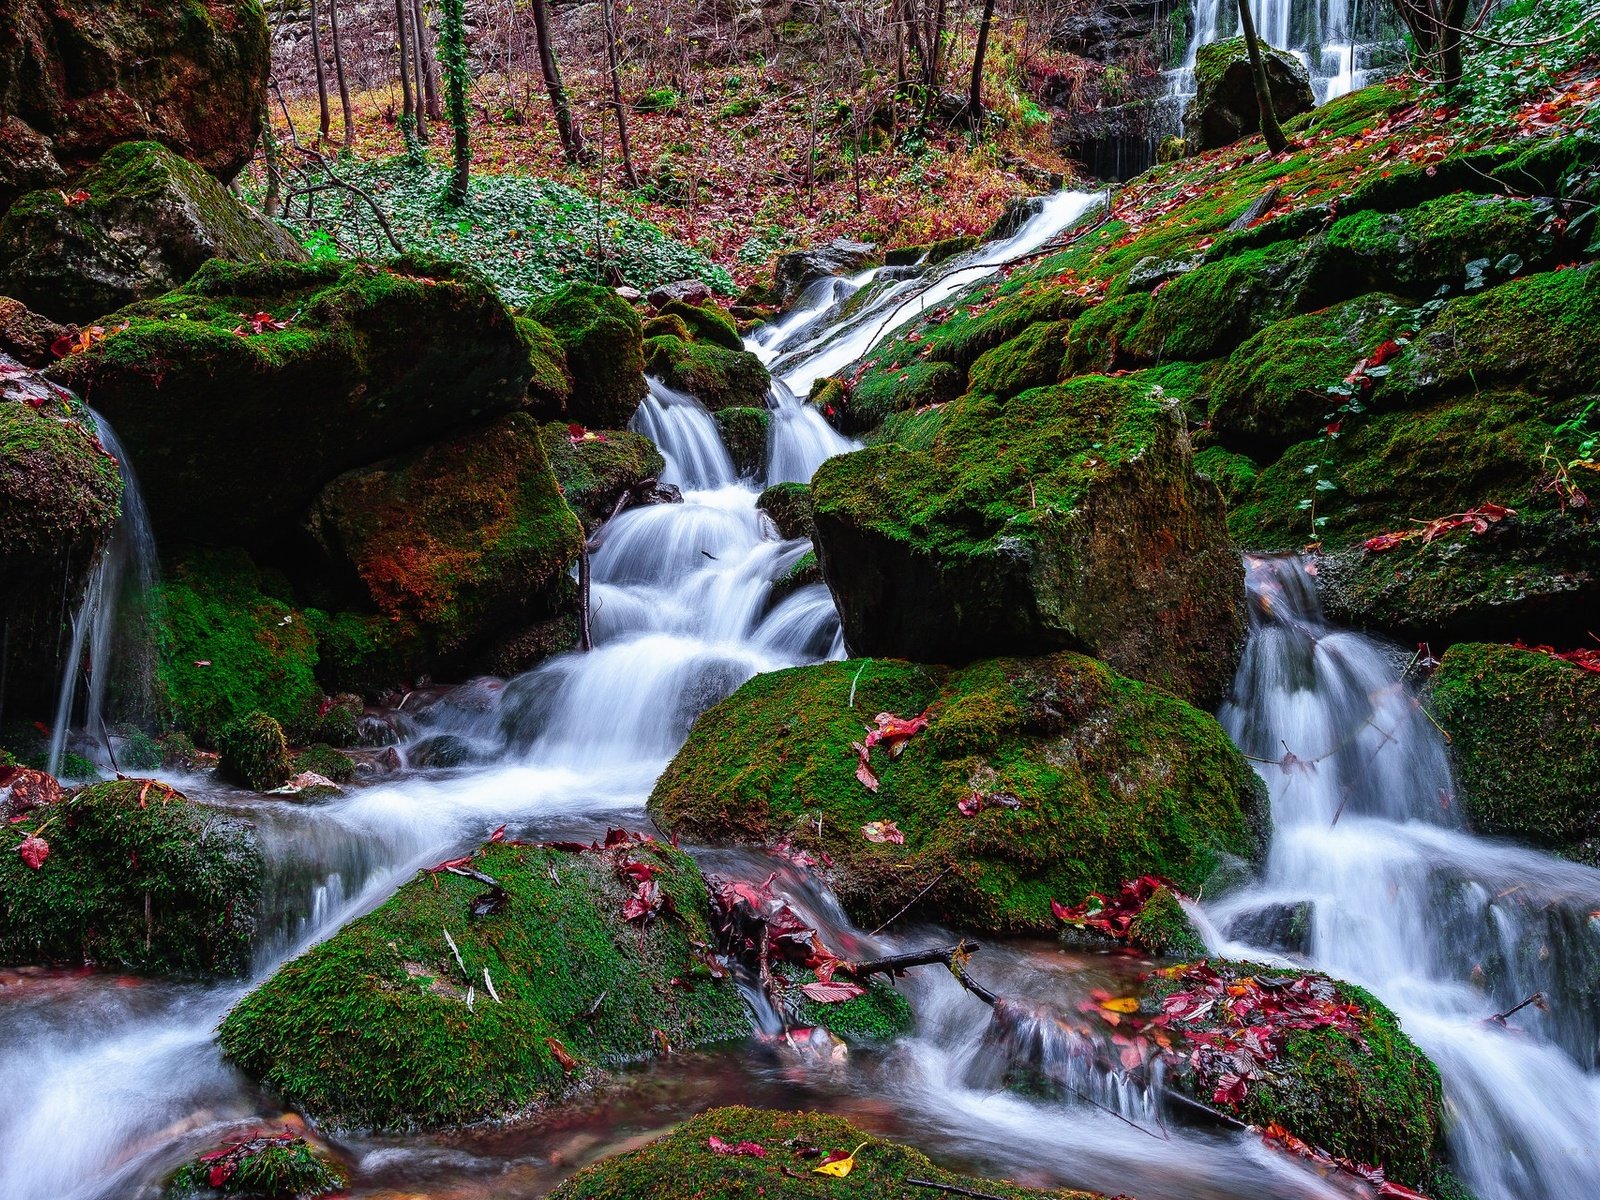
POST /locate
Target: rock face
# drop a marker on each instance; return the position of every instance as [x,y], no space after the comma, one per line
[357,362]
[1067,517]
[1224,107]
[838,257]
[137,879]
[1076,779]
[146,221]
[79,76]
[27,336]
[372,1027]
[1525,734]
[60,497]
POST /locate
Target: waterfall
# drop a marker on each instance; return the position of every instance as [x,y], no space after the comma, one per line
[110,630]
[1448,929]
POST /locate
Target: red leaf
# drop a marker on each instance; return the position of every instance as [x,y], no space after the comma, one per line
[745,1149]
[568,1063]
[34,850]
[220,1173]
[1385,351]
[644,904]
[1384,542]
[833,992]
[863,770]
[883,831]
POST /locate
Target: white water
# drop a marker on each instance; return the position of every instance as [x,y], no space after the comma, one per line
[1320,33]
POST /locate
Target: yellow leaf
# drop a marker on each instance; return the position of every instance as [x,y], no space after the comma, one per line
[840,1167]
[1121,1004]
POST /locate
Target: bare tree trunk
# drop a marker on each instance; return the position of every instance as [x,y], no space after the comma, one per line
[272,204]
[429,73]
[323,118]
[975,97]
[571,139]
[338,73]
[407,110]
[617,106]
[1276,142]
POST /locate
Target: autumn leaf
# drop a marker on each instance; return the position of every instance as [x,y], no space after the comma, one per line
[34,850]
[1121,1004]
[839,1164]
[883,831]
[562,1056]
[745,1149]
[834,992]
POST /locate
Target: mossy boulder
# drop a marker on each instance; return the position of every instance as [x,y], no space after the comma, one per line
[1224,107]
[1234,474]
[604,345]
[373,1027]
[1034,358]
[139,879]
[1085,779]
[716,376]
[706,322]
[549,382]
[594,471]
[60,498]
[788,505]
[1524,731]
[1163,927]
[456,543]
[1070,517]
[683,1166]
[254,752]
[1206,312]
[263,1167]
[80,76]
[744,433]
[358,362]
[322,759]
[146,221]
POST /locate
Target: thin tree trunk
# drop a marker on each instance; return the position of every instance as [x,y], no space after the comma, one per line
[975,97]
[407,111]
[571,139]
[418,70]
[338,73]
[1276,142]
[617,106]
[430,65]
[273,202]
[455,65]
[1450,57]
[324,120]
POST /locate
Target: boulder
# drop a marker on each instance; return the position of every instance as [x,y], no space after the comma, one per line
[1525,737]
[573,960]
[136,224]
[79,76]
[1072,778]
[604,346]
[266,1166]
[788,506]
[255,753]
[689,291]
[137,878]
[60,499]
[28,337]
[594,470]
[310,369]
[1069,517]
[1224,108]
[715,375]
[838,257]
[454,544]
[744,433]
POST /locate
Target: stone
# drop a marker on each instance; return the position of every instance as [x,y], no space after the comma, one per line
[1224,108]
[688,291]
[838,257]
[28,337]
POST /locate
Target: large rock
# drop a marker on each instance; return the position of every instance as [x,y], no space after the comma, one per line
[455,543]
[1075,778]
[60,497]
[604,345]
[595,470]
[1224,107]
[385,1026]
[353,362]
[79,76]
[838,257]
[146,220]
[137,878]
[29,337]
[1069,517]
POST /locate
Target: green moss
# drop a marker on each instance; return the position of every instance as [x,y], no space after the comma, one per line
[1034,358]
[324,760]
[879,394]
[789,506]
[1234,474]
[706,323]
[1163,927]
[59,490]
[682,1166]
[744,433]
[880,1015]
[604,344]
[1101,338]
[291,1170]
[1115,780]
[593,472]
[371,1028]
[1526,746]
[667,326]
[1209,310]
[254,752]
[1348,115]
[716,376]
[549,384]
[803,573]
[139,879]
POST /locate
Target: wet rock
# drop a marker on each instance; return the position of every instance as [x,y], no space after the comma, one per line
[138,878]
[595,470]
[28,337]
[1069,517]
[838,257]
[601,336]
[688,291]
[413,1038]
[1224,107]
[81,75]
[281,1165]
[442,750]
[715,375]
[1114,780]
[146,220]
[788,505]
[744,433]
[358,362]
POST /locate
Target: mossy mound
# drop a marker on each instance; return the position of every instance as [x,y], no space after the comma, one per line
[1224,107]
[147,220]
[716,376]
[456,543]
[803,573]
[138,879]
[372,1027]
[705,323]
[254,752]
[1112,779]
[789,507]
[594,472]
[1209,310]
[324,760]
[604,345]
[744,433]
[880,1014]
[1163,927]
[1526,743]
[1032,359]
[358,362]
[1070,517]
[265,1167]
[684,1166]
[549,383]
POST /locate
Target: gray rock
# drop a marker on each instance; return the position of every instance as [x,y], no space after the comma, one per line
[838,257]
[1224,108]
[690,291]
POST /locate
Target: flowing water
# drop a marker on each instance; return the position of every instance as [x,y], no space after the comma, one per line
[111,1082]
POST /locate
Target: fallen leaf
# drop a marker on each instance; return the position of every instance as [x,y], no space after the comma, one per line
[745,1149]
[34,850]
[883,831]
[839,1164]
[568,1063]
[833,992]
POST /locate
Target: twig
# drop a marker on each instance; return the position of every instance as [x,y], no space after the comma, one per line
[857,680]
[489,983]
[905,908]
[952,1188]
[1537,1000]
[468,872]
[456,951]
[971,984]
[916,958]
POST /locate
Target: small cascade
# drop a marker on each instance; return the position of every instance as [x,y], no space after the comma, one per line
[111,631]
[686,434]
[1446,928]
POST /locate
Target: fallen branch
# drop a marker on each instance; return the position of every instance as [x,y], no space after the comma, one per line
[1256,210]
[1537,1000]
[953,1189]
[916,958]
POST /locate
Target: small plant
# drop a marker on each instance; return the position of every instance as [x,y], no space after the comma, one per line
[267,1166]
[321,246]
[657,100]
[255,753]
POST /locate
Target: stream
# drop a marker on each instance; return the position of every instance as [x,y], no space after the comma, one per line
[112,1081]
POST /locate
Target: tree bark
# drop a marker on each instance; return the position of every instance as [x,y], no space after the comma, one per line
[407,111]
[419,71]
[571,139]
[1270,129]
[431,86]
[338,73]
[324,120]
[617,106]
[975,98]
[455,82]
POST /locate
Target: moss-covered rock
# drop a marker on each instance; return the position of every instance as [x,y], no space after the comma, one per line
[716,376]
[263,1167]
[1163,927]
[594,471]
[1525,736]
[802,573]
[1224,107]
[1234,474]
[744,433]
[604,346]
[138,878]
[1034,358]
[29,337]
[254,752]
[324,760]
[789,507]
[683,1166]
[879,394]
[1112,779]
[146,221]
[705,323]
[880,1014]
[373,1027]
[455,543]
[1208,311]
[549,383]
[359,362]
[1070,517]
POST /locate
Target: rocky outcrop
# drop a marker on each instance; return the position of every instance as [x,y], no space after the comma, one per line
[603,343]
[136,224]
[79,76]
[838,257]
[28,337]
[1224,108]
